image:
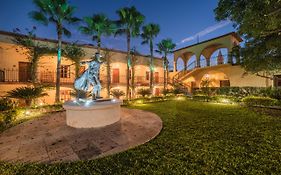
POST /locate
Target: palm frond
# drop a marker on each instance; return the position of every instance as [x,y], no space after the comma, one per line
[38,16]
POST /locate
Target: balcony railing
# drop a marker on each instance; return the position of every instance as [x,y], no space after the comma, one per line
[49,77]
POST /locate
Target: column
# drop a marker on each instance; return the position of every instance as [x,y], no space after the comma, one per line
[229,56]
[208,61]
[175,66]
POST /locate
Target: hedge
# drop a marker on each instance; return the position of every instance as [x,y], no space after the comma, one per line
[259,101]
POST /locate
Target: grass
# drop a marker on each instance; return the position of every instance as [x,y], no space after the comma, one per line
[197,138]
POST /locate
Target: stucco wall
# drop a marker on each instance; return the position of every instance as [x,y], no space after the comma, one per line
[11,55]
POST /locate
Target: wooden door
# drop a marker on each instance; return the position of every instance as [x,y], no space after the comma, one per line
[157,91]
[115,76]
[156,75]
[24,71]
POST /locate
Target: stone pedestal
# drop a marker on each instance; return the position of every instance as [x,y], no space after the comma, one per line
[92,113]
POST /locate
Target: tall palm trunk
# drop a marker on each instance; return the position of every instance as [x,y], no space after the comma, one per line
[77,69]
[99,44]
[167,72]
[33,68]
[151,67]
[128,62]
[133,81]
[108,84]
[58,66]
[164,66]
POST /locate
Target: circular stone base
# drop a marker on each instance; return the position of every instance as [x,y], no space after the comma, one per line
[92,113]
[49,140]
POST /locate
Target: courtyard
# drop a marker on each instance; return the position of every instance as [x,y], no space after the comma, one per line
[197,138]
[127,87]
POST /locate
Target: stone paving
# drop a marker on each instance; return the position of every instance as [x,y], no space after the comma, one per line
[50,140]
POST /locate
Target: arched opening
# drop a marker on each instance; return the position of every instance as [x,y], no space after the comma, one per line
[219,56]
[215,79]
[203,61]
[180,64]
[191,64]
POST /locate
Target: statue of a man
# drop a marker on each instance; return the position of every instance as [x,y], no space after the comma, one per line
[90,77]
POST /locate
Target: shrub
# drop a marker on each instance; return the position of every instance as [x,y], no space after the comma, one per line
[6,104]
[27,93]
[259,101]
[7,117]
[117,93]
[201,97]
[272,92]
[224,99]
[144,92]
[166,92]
[239,92]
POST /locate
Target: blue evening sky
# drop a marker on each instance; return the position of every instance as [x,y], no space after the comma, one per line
[180,20]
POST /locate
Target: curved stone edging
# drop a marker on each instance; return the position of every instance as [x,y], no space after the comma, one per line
[50,140]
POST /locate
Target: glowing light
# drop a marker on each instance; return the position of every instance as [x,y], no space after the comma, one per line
[27,112]
[88,102]
[224,100]
[180,98]
[114,100]
[139,102]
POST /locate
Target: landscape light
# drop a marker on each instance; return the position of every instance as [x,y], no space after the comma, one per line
[27,112]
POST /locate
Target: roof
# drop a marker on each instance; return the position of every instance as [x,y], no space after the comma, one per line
[82,45]
[231,33]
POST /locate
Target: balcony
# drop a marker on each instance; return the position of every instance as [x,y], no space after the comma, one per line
[49,77]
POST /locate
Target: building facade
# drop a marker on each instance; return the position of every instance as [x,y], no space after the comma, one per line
[14,70]
[220,69]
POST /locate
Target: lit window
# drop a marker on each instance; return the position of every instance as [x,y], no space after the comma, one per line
[147,75]
[65,71]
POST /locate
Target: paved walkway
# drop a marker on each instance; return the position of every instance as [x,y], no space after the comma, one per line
[49,139]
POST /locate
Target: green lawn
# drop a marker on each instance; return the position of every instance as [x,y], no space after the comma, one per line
[197,138]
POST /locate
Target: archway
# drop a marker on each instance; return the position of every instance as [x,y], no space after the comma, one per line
[216,79]
[219,56]
[180,64]
[203,61]
[191,63]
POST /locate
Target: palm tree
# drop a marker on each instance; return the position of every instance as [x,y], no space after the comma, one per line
[150,31]
[57,12]
[130,21]
[165,47]
[134,53]
[97,26]
[74,53]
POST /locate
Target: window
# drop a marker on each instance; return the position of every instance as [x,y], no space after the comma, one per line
[147,75]
[224,83]
[156,77]
[115,76]
[65,71]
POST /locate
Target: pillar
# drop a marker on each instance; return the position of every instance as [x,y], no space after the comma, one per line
[175,65]
[197,59]
[185,64]
[229,56]
[208,61]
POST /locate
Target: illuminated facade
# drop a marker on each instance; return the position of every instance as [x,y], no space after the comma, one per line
[205,60]
[14,67]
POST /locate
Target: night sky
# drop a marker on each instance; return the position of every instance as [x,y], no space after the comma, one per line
[181,20]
